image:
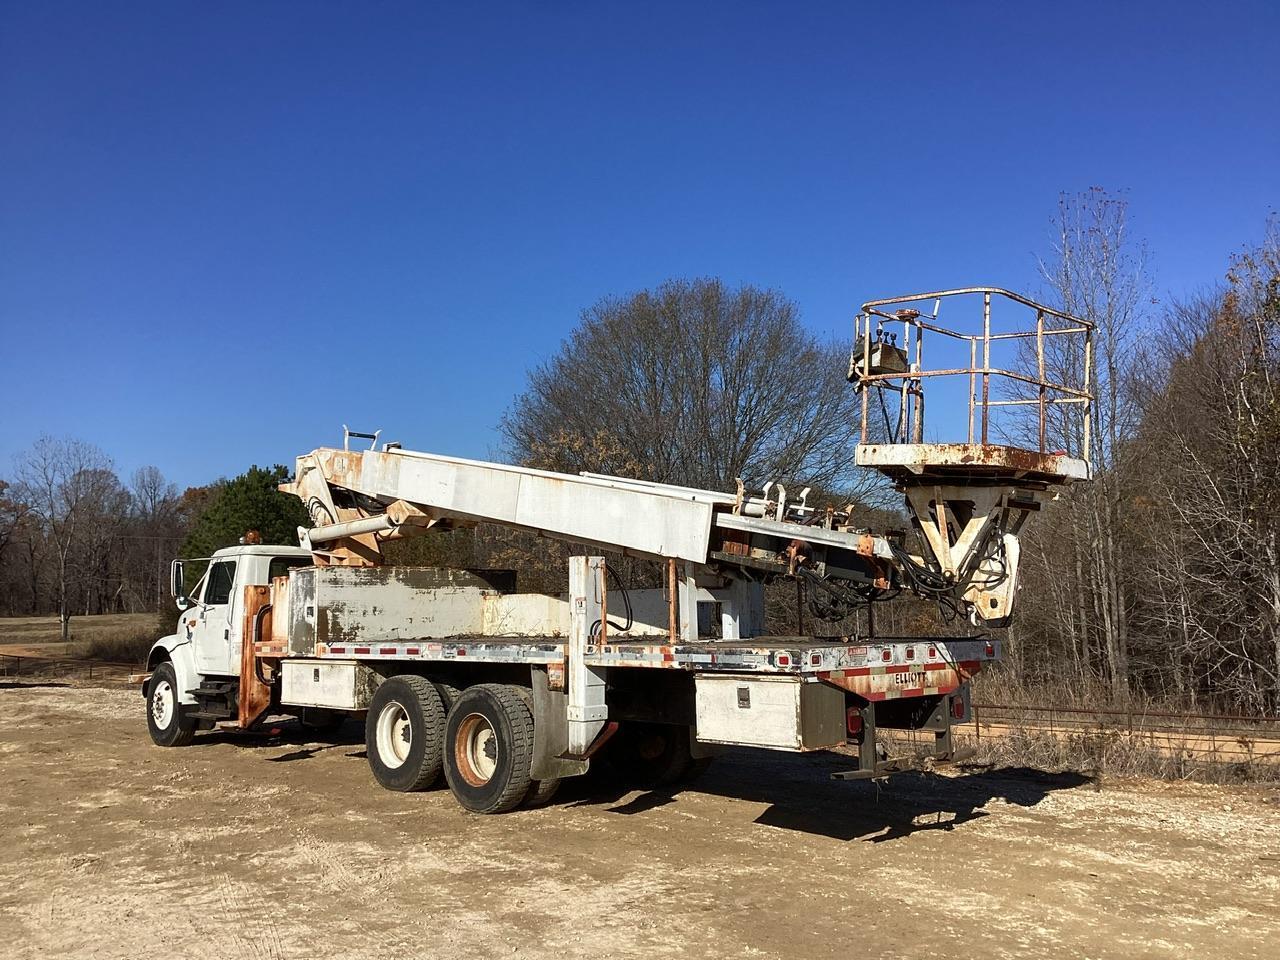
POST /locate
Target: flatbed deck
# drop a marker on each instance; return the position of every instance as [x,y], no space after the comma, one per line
[880,668]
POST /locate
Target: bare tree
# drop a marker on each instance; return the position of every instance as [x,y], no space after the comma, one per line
[61,479]
[12,513]
[1211,482]
[158,530]
[14,520]
[1098,272]
[693,383]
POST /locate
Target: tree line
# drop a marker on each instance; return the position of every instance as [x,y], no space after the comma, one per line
[1159,578]
[76,539]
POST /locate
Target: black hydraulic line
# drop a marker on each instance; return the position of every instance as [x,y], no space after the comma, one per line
[257,635]
[831,601]
[626,604]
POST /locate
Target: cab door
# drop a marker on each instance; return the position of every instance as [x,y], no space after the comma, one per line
[214,619]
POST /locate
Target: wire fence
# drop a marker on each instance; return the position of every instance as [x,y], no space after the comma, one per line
[1223,738]
[15,666]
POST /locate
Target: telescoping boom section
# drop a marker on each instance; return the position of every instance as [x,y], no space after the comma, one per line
[509,692]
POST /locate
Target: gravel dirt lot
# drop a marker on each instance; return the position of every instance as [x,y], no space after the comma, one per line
[279,847]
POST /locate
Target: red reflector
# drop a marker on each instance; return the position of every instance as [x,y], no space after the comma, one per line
[784,660]
[411,651]
[337,649]
[360,650]
[387,651]
[957,708]
[911,653]
[991,649]
[853,721]
[461,652]
[887,655]
[933,653]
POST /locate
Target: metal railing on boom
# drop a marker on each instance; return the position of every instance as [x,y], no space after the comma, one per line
[889,364]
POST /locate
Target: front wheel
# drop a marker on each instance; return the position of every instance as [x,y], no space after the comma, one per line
[167,718]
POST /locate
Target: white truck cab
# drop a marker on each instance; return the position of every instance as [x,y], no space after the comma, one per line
[198,665]
[211,619]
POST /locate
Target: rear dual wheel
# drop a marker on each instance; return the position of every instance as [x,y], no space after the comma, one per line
[403,733]
[490,749]
[653,755]
[540,793]
[481,737]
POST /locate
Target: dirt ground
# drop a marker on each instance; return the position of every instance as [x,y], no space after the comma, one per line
[278,847]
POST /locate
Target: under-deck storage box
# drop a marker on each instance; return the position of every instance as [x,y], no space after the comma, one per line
[781,713]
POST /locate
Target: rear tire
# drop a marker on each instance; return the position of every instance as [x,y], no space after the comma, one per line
[449,694]
[404,733]
[490,748]
[321,721]
[651,755]
[167,718]
[540,793]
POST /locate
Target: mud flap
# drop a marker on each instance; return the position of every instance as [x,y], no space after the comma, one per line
[551,732]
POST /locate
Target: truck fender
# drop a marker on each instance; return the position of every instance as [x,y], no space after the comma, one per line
[178,651]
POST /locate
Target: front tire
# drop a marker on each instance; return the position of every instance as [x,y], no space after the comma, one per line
[490,748]
[167,718]
[403,733]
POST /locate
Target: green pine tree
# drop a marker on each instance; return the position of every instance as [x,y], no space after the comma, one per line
[247,502]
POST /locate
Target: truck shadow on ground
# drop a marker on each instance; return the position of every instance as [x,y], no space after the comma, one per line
[801,796]
[288,732]
[798,791]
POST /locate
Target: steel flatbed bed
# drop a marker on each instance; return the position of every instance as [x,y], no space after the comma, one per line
[880,669]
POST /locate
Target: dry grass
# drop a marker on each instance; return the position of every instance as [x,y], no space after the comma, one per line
[122,646]
[1114,753]
[116,637]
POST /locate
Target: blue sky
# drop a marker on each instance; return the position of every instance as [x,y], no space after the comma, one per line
[226,229]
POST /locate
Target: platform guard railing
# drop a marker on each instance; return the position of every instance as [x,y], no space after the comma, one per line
[878,317]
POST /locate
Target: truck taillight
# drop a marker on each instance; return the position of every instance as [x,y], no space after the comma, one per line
[957,708]
[853,721]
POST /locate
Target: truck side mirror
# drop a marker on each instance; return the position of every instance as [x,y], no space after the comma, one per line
[176,587]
